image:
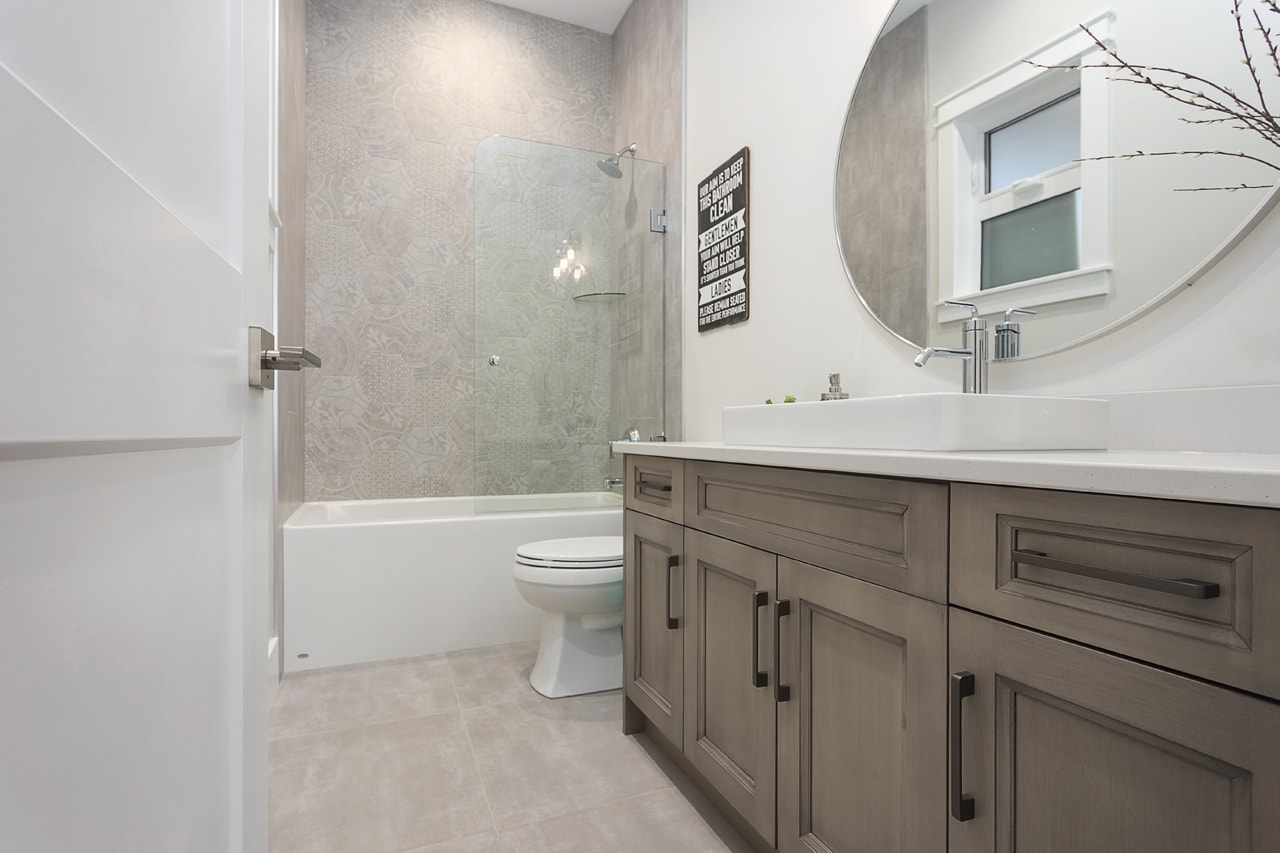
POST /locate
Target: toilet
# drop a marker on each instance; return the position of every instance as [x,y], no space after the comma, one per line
[577,584]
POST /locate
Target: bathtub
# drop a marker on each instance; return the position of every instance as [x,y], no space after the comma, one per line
[379,580]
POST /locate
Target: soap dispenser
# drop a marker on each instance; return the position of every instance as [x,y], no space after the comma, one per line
[834,392]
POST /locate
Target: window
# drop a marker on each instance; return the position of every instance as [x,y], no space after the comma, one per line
[1022,220]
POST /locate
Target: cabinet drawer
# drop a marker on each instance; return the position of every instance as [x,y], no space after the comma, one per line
[889,532]
[655,486]
[1193,587]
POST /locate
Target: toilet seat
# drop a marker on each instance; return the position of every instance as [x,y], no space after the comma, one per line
[577,584]
[588,552]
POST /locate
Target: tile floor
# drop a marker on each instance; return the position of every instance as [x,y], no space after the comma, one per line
[456,753]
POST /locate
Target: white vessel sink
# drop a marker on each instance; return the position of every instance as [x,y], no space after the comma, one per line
[943,421]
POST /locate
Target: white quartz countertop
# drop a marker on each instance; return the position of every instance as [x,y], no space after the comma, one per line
[1251,479]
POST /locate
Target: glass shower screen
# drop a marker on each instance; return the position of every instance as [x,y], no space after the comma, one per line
[568,302]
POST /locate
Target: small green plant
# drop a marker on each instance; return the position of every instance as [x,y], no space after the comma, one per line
[790,398]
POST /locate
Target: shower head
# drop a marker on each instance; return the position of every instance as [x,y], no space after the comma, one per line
[610,165]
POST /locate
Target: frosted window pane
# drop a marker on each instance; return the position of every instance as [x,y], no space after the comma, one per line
[1033,241]
[1034,143]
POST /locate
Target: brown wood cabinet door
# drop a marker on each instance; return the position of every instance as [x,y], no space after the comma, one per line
[1065,749]
[862,737]
[653,624]
[730,719]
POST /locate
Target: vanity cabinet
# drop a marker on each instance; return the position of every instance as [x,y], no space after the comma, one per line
[875,664]
[814,702]
[1062,747]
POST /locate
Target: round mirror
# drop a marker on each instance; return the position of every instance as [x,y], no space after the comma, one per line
[987,159]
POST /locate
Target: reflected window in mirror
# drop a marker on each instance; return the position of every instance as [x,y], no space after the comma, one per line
[1034,143]
[1021,217]
[1025,236]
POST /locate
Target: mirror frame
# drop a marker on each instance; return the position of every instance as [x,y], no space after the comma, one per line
[1232,240]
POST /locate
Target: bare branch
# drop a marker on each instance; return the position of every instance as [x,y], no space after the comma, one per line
[1248,61]
[1135,154]
[1223,189]
[1222,104]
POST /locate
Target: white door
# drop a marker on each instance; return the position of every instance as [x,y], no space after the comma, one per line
[135,463]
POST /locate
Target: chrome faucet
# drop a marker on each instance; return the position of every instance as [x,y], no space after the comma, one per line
[629,434]
[610,482]
[974,351]
[1009,335]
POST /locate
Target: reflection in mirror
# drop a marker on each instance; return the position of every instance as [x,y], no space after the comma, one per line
[970,170]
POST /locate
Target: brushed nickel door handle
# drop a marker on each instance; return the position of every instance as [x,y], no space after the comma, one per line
[265,358]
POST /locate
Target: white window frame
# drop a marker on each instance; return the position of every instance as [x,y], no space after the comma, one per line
[963,120]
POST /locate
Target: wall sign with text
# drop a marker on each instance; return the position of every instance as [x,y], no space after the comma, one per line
[722,244]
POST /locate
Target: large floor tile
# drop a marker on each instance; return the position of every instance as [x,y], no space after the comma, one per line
[540,758]
[493,675]
[382,788]
[664,821]
[489,842]
[327,700]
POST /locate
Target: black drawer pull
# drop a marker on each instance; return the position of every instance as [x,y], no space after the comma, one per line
[781,692]
[961,803]
[673,622]
[759,599]
[1184,587]
[657,491]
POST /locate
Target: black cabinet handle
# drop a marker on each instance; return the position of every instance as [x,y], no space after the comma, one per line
[1185,587]
[673,622]
[759,599]
[653,489]
[781,692]
[961,803]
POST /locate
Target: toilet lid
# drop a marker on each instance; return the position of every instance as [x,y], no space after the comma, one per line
[584,552]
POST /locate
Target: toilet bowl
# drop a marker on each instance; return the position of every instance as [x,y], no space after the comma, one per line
[577,584]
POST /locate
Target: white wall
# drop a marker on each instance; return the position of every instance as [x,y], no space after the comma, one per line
[780,83]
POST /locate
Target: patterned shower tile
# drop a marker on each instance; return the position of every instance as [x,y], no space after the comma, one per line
[333,97]
[428,355]
[427,163]
[401,92]
[337,198]
[385,281]
[335,150]
[333,296]
[335,248]
[379,128]
[385,232]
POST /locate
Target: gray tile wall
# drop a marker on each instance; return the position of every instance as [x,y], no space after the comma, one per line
[882,202]
[648,69]
[399,93]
